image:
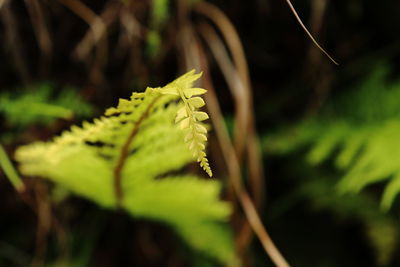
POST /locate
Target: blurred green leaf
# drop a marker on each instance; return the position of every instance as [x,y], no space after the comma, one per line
[41,104]
[9,170]
[359,130]
[159,12]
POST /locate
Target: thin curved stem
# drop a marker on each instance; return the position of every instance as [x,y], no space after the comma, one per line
[245,134]
[125,152]
[241,92]
[307,32]
[231,160]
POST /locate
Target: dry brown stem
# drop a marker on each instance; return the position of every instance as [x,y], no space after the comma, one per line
[195,57]
[307,32]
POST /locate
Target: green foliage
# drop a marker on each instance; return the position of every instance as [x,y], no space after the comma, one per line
[360,131]
[189,118]
[40,105]
[153,43]
[158,17]
[9,170]
[129,158]
[159,12]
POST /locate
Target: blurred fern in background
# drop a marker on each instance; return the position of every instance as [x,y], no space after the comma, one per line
[358,133]
[41,104]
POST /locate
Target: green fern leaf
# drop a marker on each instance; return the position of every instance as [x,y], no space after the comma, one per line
[189,118]
[123,159]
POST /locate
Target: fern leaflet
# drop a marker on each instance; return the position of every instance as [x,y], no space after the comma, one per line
[189,118]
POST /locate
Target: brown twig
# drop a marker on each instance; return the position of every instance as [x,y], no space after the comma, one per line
[195,52]
[95,22]
[245,134]
[96,35]
[307,32]
[125,152]
[36,197]
[317,72]
[318,9]
[109,15]
[234,172]
[253,155]
[237,82]
[43,224]
[132,27]
[239,92]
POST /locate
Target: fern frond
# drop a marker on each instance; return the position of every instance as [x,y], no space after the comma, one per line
[122,158]
[362,135]
[188,116]
[43,107]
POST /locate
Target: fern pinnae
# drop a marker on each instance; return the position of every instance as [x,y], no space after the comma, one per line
[196,134]
[189,117]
